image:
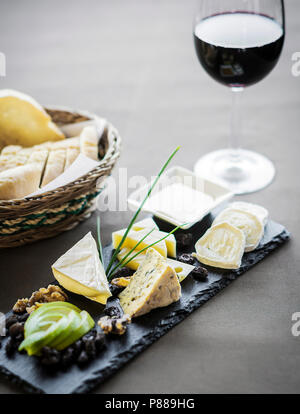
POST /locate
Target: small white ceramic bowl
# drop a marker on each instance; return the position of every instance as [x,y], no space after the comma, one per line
[218,193]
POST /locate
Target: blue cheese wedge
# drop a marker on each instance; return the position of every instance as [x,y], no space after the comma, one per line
[154,285]
[80,271]
[221,246]
[250,225]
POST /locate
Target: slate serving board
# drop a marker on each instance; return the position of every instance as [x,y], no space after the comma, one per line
[26,372]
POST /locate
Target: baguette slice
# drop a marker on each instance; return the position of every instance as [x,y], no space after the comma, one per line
[13,161]
[19,181]
[71,155]
[23,121]
[67,143]
[11,150]
[89,142]
[55,165]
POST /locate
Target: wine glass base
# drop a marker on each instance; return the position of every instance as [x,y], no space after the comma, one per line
[241,171]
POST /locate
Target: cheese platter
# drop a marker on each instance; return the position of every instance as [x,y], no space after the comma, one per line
[148,323]
[106,305]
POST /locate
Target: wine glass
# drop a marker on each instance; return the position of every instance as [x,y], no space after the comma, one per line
[238,43]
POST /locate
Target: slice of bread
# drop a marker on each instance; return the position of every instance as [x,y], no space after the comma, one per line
[24,122]
[19,181]
[55,165]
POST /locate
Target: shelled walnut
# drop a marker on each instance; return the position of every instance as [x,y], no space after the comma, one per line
[52,293]
[114,325]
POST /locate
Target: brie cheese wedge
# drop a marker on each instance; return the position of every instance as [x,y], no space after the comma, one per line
[259,211]
[221,246]
[80,271]
[250,225]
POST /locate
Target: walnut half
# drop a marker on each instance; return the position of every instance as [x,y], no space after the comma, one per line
[114,325]
[52,293]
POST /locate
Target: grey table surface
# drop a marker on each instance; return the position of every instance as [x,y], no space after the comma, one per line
[133,62]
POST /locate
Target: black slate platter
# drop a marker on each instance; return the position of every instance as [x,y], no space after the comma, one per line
[26,372]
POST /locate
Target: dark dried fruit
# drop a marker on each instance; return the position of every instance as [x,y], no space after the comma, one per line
[100,341]
[115,290]
[12,319]
[83,358]
[90,347]
[113,311]
[184,240]
[23,318]
[68,357]
[77,347]
[50,356]
[10,347]
[18,339]
[200,273]
[124,272]
[186,258]
[16,329]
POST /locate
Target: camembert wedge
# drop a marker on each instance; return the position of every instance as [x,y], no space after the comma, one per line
[221,246]
[80,271]
[154,285]
[250,225]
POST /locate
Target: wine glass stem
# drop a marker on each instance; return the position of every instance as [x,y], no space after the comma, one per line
[236,123]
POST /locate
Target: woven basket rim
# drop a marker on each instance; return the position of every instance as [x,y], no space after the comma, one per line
[112,153]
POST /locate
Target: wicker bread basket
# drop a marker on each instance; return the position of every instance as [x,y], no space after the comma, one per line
[31,219]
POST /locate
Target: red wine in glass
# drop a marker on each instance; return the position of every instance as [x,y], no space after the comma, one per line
[238,43]
[237,60]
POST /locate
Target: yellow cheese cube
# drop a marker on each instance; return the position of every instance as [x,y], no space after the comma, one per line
[134,237]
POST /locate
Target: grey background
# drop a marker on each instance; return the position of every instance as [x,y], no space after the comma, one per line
[133,62]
